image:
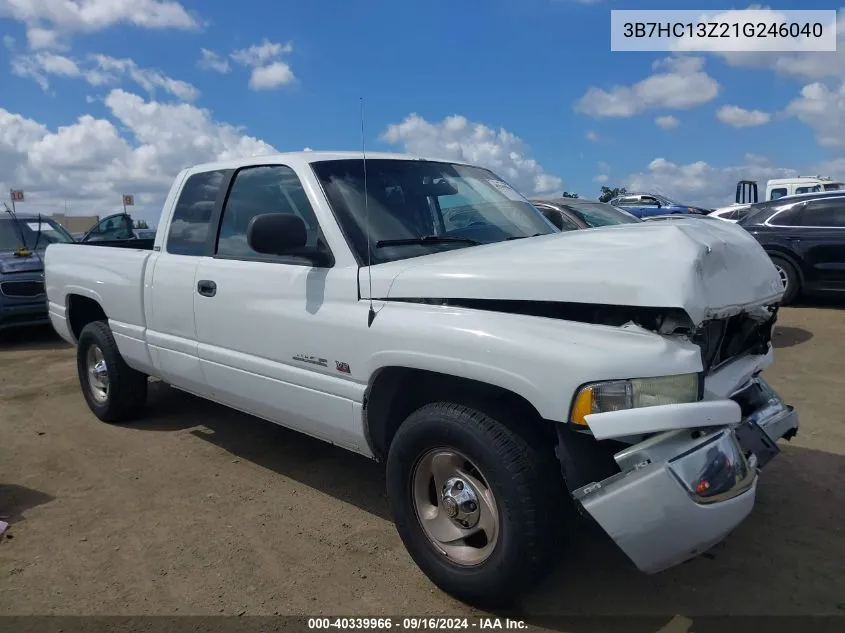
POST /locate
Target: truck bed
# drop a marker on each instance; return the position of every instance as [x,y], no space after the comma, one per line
[112,274]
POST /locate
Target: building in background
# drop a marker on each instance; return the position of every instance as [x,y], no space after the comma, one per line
[76,223]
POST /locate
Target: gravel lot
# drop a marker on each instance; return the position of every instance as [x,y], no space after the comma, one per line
[201,510]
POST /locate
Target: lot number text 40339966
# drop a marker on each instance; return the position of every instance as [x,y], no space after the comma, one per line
[416,623]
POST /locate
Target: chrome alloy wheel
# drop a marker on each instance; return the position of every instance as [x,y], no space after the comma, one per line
[455,506]
[98,377]
[784,279]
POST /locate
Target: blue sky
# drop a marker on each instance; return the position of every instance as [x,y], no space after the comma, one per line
[522,66]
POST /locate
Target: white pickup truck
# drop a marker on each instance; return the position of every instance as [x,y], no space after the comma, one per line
[390,305]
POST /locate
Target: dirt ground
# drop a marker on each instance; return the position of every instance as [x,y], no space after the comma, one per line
[201,510]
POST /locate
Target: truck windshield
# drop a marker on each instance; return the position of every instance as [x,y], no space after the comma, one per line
[421,207]
[11,231]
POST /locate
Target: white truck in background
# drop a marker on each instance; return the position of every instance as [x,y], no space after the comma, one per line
[504,371]
[782,187]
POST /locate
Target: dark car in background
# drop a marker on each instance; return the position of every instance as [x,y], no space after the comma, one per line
[570,214]
[111,228]
[23,240]
[740,212]
[806,240]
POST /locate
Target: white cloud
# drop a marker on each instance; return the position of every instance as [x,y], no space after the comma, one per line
[99,70]
[740,117]
[601,178]
[757,159]
[592,136]
[702,183]
[91,161]
[49,22]
[259,54]
[807,65]
[667,122]
[212,61]
[39,66]
[681,84]
[823,109]
[108,69]
[39,38]
[271,76]
[751,22]
[457,138]
[268,71]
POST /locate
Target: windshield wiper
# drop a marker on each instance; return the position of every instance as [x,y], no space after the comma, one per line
[522,237]
[427,239]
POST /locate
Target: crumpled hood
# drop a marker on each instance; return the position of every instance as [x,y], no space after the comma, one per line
[10,263]
[708,269]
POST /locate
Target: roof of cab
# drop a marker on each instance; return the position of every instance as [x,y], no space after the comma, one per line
[307,157]
[802,180]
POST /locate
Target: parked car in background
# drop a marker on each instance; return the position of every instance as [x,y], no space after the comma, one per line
[728,214]
[678,217]
[569,214]
[118,226]
[23,239]
[735,213]
[782,187]
[805,240]
[645,204]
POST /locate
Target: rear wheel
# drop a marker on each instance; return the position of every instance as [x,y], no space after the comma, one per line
[114,391]
[789,278]
[475,503]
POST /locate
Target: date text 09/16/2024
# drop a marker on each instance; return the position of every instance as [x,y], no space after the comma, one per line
[416,623]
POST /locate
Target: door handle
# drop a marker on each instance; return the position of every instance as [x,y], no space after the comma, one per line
[206,288]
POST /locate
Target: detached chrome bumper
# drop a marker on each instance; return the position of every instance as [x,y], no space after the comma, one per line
[682,491]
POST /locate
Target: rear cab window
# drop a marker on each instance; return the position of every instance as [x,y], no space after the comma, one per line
[780,192]
[188,232]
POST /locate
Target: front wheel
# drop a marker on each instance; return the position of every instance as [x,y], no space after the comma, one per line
[475,503]
[789,278]
[114,391]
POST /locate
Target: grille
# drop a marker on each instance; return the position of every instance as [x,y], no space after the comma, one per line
[722,340]
[22,288]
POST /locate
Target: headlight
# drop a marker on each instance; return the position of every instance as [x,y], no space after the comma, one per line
[615,395]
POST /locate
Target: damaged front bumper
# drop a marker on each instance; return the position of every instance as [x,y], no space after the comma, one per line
[683,490]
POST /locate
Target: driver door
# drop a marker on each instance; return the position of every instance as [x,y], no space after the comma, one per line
[273,330]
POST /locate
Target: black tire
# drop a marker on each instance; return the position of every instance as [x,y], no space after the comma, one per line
[793,279]
[126,392]
[524,480]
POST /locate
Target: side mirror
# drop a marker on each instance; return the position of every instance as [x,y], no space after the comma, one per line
[284,234]
[277,234]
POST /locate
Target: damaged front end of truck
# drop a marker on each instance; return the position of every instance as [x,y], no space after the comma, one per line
[668,481]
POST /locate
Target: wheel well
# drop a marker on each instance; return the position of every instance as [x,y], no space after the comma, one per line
[789,259]
[82,311]
[395,392]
